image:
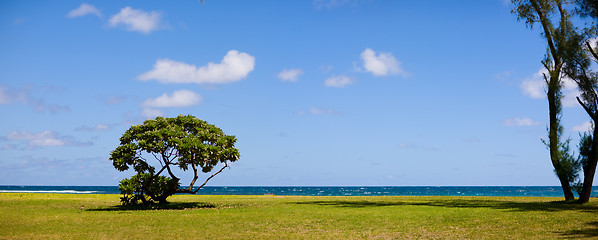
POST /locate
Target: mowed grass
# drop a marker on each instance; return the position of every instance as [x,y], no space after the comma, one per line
[57,216]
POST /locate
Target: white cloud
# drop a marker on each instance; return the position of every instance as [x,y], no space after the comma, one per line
[45,138]
[136,20]
[534,87]
[233,67]
[290,75]
[584,127]
[338,81]
[180,98]
[83,10]
[151,113]
[383,64]
[520,122]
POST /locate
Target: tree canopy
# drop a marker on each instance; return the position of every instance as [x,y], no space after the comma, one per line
[185,142]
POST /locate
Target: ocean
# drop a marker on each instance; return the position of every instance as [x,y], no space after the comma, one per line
[510,191]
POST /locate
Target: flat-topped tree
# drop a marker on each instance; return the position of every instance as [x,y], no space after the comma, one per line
[184,142]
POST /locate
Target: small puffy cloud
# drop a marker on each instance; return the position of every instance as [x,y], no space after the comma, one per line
[290,75]
[45,138]
[136,20]
[534,87]
[338,81]
[180,98]
[383,64]
[233,67]
[584,127]
[84,9]
[520,122]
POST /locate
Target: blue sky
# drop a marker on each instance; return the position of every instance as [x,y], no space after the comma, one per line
[318,93]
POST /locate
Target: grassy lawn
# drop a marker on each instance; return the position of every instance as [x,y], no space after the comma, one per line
[53,216]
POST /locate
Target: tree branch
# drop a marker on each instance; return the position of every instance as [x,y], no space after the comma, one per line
[158,159]
[595,54]
[586,108]
[167,163]
[219,171]
[547,30]
[195,177]
[545,78]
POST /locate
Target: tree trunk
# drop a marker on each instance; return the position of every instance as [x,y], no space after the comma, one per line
[567,191]
[554,110]
[589,170]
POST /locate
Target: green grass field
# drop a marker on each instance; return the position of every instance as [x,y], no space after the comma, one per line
[58,216]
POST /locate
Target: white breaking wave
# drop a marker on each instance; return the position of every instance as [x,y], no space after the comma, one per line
[48,191]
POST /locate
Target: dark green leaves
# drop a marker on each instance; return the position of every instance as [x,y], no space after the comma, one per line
[184,141]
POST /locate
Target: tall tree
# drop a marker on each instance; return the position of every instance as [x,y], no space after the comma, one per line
[184,142]
[544,12]
[578,60]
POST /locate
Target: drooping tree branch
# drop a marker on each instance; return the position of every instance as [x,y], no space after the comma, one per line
[204,183]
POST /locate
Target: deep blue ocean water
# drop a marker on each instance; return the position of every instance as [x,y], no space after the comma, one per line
[530,191]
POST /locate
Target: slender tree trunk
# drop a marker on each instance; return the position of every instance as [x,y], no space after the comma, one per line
[589,170]
[554,112]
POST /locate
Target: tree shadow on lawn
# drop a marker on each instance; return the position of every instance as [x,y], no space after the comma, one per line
[591,230]
[166,206]
[465,203]
[587,232]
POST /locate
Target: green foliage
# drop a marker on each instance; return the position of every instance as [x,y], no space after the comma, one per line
[158,187]
[570,165]
[562,38]
[185,142]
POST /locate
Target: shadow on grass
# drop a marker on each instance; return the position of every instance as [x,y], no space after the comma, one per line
[166,206]
[591,230]
[587,231]
[466,203]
